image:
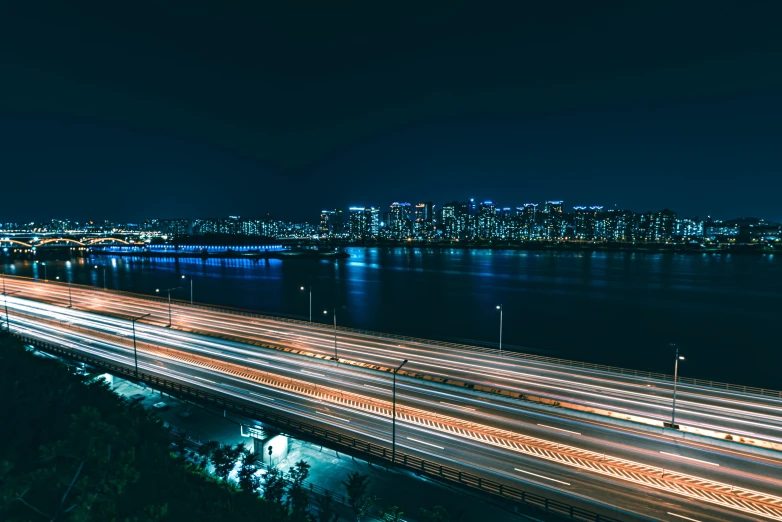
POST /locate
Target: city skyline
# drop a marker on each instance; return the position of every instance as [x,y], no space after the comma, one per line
[466,221]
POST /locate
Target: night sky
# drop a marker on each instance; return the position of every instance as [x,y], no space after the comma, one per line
[127,110]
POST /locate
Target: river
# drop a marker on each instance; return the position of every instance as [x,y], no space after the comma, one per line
[623,309]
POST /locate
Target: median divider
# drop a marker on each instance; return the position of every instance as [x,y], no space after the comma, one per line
[520,498]
[540,400]
[723,438]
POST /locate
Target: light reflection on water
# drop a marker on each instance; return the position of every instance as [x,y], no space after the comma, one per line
[615,308]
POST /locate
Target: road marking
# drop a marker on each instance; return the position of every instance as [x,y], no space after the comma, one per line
[312,373]
[688,458]
[559,429]
[375,387]
[682,516]
[541,476]
[330,415]
[427,443]
[457,406]
[261,396]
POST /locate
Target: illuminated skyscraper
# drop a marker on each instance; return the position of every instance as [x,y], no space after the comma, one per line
[357,223]
[326,226]
[486,220]
[372,222]
[400,222]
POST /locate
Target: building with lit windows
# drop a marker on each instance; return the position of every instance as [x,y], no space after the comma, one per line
[486,221]
[400,222]
[326,224]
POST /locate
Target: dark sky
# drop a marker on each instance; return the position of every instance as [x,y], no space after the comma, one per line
[125,110]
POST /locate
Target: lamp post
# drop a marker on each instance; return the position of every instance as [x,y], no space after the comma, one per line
[302,288]
[393,415]
[499,307]
[336,357]
[133,327]
[191,289]
[675,382]
[169,290]
[5,299]
[44,271]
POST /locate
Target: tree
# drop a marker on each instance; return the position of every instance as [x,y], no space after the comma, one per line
[391,514]
[326,511]
[436,514]
[247,478]
[356,487]
[205,451]
[298,496]
[224,459]
[180,443]
[274,486]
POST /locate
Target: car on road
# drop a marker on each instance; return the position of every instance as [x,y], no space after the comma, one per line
[137,397]
[185,414]
[160,406]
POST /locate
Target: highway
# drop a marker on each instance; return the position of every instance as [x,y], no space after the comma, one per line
[585,462]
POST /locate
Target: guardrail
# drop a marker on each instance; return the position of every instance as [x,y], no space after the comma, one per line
[376,451]
[505,353]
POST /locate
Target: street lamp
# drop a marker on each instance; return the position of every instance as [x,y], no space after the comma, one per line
[5,299]
[302,288]
[133,327]
[675,382]
[336,357]
[191,289]
[44,271]
[499,307]
[169,290]
[393,416]
[104,276]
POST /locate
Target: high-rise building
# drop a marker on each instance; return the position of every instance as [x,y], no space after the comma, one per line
[423,222]
[584,221]
[661,226]
[554,220]
[372,222]
[400,222]
[688,229]
[486,220]
[326,226]
[449,222]
[357,223]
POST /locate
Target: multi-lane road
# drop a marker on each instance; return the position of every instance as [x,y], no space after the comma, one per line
[584,461]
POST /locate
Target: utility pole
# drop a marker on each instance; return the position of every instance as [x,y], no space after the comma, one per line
[499,307]
[5,299]
[133,326]
[393,415]
[675,382]
[169,290]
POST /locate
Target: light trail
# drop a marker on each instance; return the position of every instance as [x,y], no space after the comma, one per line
[541,476]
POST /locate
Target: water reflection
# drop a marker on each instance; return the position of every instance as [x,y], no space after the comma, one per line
[616,308]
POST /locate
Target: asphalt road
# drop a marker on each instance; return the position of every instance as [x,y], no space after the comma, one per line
[108,337]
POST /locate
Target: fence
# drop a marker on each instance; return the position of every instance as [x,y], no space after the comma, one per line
[505,353]
[302,428]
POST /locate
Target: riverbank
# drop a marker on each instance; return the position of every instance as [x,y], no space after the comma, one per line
[568,246]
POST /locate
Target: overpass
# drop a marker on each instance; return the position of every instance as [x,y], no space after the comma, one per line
[291,367]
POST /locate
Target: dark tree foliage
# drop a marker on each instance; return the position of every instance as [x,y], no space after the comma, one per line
[436,514]
[77,452]
[326,509]
[224,459]
[249,482]
[298,493]
[274,486]
[356,487]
